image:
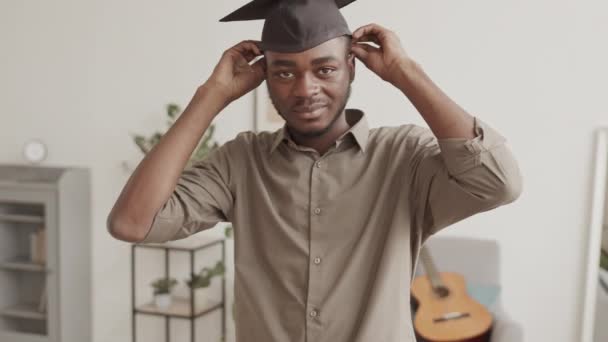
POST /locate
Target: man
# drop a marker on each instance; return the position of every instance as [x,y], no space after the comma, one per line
[328,214]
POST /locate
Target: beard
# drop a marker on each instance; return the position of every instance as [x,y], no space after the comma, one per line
[314,134]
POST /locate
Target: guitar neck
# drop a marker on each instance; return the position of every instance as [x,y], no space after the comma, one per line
[430,268]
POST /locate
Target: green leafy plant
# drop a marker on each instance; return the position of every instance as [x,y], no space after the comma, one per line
[228,231]
[205,275]
[163,285]
[205,146]
[604,259]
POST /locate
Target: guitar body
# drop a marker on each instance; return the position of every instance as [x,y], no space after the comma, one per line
[447,313]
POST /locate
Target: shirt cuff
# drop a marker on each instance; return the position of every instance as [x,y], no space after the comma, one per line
[160,231]
[462,154]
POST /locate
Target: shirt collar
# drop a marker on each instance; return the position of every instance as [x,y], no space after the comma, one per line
[356,119]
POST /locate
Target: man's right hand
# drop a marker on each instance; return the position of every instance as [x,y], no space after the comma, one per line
[233,76]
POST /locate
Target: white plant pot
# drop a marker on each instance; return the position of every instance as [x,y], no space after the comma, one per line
[201,295]
[162,301]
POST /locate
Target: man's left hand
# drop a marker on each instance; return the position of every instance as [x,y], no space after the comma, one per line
[384,60]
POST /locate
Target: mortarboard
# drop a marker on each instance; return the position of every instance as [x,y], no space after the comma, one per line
[295,25]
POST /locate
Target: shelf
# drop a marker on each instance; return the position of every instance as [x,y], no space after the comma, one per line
[192,243]
[23,311]
[45,224]
[22,264]
[21,336]
[21,218]
[179,308]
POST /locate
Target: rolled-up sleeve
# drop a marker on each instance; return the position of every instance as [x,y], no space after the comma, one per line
[202,198]
[457,177]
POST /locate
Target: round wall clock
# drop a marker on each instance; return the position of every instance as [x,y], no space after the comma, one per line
[34,151]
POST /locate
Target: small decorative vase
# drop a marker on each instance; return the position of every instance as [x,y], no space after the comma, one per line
[162,300]
[201,296]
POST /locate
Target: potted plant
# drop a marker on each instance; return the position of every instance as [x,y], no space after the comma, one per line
[603,271]
[206,145]
[162,291]
[228,231]
[201,282]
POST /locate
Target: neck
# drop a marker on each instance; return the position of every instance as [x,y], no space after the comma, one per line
[323,143]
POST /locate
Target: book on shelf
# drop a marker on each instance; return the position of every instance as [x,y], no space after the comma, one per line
[43,298]
[38,246]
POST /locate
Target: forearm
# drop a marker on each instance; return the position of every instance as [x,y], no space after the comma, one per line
[456,178]
[156,176]
[445,117]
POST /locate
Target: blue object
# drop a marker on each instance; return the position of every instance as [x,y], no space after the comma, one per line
[486,295]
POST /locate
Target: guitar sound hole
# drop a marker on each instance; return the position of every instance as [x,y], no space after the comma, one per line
[442,291]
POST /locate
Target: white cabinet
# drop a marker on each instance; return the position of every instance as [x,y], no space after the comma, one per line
[45,254]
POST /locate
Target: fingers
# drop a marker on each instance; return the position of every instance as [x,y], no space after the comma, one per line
[248,45]
[360,52]
[363,51]
[369,39]
[366,47]
[374,33]
[248,49]
[259,67]
[370,30]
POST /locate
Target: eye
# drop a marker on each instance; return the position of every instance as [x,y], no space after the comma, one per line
[285,74]
[326,71]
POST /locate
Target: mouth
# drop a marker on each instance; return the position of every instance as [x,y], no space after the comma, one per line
[309,112]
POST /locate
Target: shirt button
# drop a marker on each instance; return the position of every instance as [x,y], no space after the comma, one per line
[317,211]
[317,261]
[318,164]
[313,313]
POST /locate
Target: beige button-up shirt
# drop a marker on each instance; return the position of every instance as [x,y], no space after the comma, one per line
[326,245]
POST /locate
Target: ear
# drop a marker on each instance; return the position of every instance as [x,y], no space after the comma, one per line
[351,60]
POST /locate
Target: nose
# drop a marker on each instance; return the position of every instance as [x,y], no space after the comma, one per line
[305,86]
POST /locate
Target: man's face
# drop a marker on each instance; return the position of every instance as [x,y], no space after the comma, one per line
[310,89]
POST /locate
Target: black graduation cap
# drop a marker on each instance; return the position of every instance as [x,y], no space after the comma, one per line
[295,25]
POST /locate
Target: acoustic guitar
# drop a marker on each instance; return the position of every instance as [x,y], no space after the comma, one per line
[445,312]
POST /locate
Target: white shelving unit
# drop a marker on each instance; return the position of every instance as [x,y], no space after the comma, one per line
[184,309]
[47,298]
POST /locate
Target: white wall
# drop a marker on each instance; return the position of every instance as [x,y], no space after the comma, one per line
[82,75]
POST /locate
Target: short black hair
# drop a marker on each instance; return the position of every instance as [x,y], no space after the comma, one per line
[347,39]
